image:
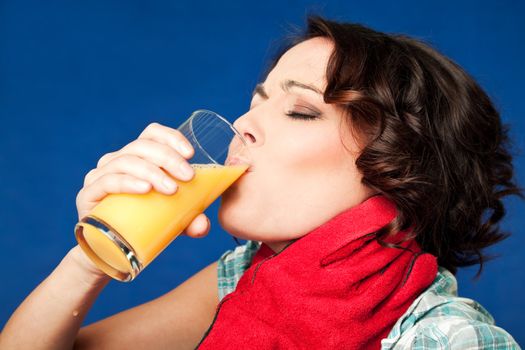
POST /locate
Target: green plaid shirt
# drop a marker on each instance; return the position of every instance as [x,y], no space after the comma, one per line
[437,319]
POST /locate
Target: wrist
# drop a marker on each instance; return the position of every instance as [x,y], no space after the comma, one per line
[84,269]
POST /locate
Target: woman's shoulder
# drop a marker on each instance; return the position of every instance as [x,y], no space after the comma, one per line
[456,333]
[437,319]
[440,319]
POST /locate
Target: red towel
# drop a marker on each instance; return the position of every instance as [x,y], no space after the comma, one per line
[334,288]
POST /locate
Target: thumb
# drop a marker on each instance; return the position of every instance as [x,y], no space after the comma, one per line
[199,227]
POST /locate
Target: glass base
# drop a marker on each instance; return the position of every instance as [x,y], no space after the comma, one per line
[107,249]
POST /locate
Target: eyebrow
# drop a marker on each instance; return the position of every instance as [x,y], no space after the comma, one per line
[286,86]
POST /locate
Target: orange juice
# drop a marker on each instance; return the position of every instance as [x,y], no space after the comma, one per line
[149,222]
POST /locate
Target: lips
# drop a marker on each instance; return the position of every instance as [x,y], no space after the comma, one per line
[237,161]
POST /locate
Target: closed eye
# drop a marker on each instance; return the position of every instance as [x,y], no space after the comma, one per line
[302,116]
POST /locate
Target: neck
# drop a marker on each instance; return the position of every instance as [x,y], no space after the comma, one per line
[277,246]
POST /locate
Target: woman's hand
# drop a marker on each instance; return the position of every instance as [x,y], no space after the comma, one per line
[140,165]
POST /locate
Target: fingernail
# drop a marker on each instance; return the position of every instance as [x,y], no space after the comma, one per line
[187,170]
[169,184]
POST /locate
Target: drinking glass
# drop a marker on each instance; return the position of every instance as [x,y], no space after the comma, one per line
[124,232]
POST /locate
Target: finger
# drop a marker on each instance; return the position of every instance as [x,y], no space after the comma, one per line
[199,227]
[90,177]
[159,154]
[106,158]
[137,167]
[111,183]
[168,136]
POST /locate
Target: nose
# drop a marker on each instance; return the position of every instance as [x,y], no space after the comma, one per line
[247,129]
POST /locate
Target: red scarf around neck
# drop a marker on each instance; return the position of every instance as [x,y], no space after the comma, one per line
[333,288]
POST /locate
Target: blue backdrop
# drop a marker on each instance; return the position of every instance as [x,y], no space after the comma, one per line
[80,79]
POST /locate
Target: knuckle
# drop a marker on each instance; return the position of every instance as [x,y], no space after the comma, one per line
[106,181]
[124,159]
[101,161]
[89,176]
[79,197]
[153,126]
[149,129]
[181,138]
[179,134]
[148,172]
[133,144]
[129,181]
[130,165]
[124,163]
[154,171]
[169,156]
[112,183]
[104,159]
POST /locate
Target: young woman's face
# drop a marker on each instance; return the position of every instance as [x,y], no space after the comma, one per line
[304,170]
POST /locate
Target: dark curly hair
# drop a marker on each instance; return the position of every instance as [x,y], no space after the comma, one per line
[432,141]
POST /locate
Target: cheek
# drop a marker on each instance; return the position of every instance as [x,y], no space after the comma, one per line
[301,176]
[311,152]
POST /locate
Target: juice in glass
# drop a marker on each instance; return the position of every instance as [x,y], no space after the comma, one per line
[150,221]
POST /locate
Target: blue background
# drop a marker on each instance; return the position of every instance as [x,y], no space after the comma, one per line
[80,79]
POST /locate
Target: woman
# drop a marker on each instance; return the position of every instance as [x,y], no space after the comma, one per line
[375,161]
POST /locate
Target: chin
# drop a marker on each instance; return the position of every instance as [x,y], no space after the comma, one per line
[236,219]
[231,216]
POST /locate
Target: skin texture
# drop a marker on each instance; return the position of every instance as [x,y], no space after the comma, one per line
[303,174]
[304,171]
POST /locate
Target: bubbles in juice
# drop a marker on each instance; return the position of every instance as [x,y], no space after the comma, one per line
[201,166]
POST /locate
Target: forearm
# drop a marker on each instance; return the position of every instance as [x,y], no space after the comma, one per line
[50,317]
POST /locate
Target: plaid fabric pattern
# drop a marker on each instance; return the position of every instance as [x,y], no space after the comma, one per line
[232,264]
[437,319]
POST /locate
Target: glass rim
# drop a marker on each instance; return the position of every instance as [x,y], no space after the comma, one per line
[224,120]
[230,125]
